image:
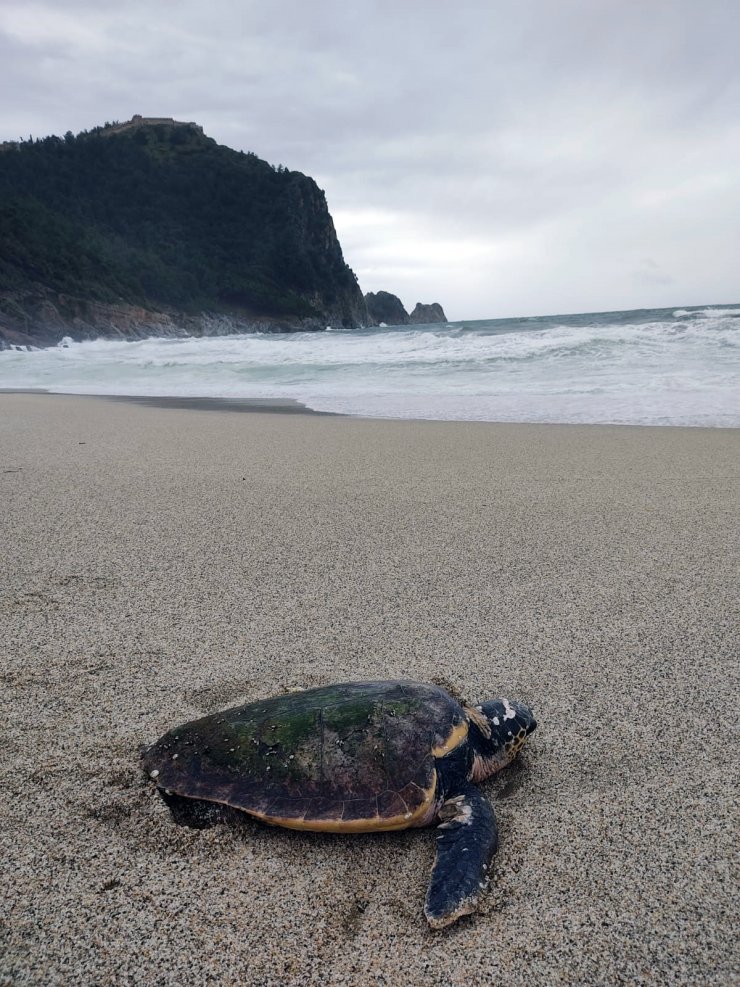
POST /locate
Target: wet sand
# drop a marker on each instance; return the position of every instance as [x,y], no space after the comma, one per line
[159,563]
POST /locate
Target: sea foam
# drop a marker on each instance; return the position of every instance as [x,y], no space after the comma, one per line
[668,366]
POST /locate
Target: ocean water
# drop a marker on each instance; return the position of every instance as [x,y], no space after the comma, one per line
[658,367]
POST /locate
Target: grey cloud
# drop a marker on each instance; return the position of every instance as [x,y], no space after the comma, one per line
[547,144]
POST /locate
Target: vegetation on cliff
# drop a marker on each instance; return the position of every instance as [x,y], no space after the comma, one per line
[158,215]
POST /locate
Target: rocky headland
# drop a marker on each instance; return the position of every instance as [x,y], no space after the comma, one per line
[152,228]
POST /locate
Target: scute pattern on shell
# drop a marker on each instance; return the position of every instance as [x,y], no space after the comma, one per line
[344,752]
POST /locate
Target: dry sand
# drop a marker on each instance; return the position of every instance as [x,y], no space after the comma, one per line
[159,563]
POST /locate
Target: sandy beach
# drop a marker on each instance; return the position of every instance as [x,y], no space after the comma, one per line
[162,562]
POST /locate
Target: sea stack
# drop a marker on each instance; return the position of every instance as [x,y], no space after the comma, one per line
[425,314]
[382,306]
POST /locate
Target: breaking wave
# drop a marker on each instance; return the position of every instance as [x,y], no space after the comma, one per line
[667,366]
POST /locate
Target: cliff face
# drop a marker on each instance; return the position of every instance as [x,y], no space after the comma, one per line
[382,306]
[150,227]
[424,314]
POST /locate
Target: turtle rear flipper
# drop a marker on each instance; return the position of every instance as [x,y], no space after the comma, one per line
[466,842]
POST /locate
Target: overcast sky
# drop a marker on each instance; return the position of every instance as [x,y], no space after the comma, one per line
[502,158]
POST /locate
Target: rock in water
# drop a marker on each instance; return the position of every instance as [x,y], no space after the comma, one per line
[382,306]
[424,314]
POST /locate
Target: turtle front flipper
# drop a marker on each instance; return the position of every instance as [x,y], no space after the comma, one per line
[466,843]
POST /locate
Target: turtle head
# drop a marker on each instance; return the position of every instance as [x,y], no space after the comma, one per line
[500,728]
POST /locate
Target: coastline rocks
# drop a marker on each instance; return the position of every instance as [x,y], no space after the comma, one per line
[387,309]
[382,306]
[425,314]
[46,320]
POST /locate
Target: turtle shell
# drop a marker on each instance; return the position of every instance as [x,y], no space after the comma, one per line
[356,757]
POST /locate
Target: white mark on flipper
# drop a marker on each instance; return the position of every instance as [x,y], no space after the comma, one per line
[154,774]
[509,713]
[496,721]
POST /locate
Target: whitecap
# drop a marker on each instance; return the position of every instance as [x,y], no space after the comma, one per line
[658,367]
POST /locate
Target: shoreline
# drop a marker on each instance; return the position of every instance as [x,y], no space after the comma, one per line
[291,406]
[269,405]
[163,563]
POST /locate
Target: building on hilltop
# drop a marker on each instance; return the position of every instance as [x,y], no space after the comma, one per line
[137,120]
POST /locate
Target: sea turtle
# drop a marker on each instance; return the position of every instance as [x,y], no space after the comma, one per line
[356,757]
